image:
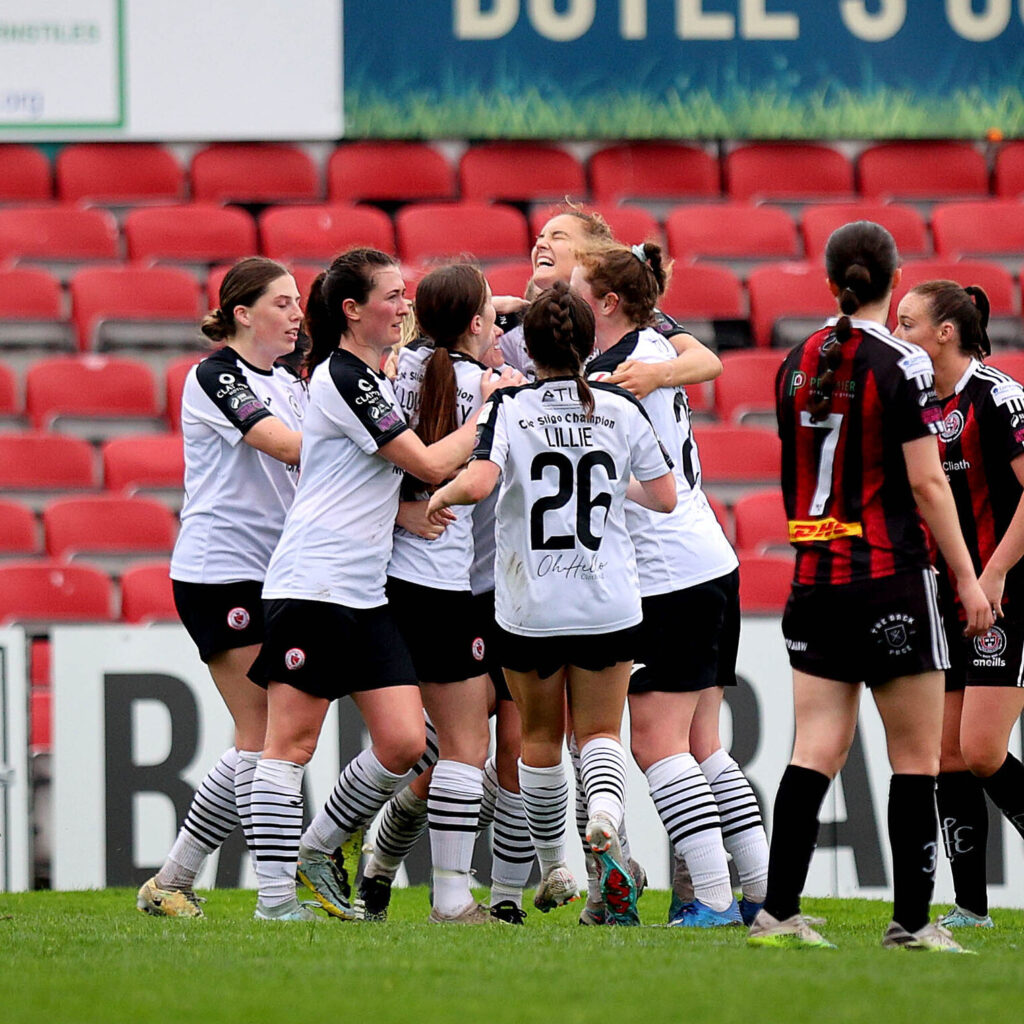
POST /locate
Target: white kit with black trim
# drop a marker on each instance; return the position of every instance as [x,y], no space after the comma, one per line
[687,546]
[337,536]
[236,497]
[443,563]
[565,563]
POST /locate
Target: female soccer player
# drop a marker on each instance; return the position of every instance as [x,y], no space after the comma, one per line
[857,416]
[329,629]
[240,475]
[428,589]
[567,596]
[982,448]
[689,580]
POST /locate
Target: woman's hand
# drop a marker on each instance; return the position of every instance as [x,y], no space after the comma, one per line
[490,382]
[505,304]
[977,607]
[992,582]
[412,516]
[438,512]
[639,379]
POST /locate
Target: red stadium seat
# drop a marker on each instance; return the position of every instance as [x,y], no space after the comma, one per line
[703,291]
[44,590]
[735,460]
[92,396]
[254,173]
[761,522]
[55,233]
[19,531]
[32,310]
[24,174]
[477,230]
[904,223]
[721,511]
[629,224]
[1009,173]
[321,232]
[39,659]
[709,302]
[787,170]
[652,170]
[389,171]
[1004,326]
[40,721]
[10,404]
[519,172]
[509,278]
[994,228]
[33,461]
[150,461]
[731,231]
[146,593]
[115,307]
[925,170]
[174,386]
[764,583]
[787,302]
[108,528]
[192,233]
[118,173]
[746,386]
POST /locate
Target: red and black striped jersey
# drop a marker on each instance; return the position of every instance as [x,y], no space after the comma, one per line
[982,433]
[851,512]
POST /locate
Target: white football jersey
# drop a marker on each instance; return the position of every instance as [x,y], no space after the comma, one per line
[235,496]
[443,563]
[565,563]
[337,537]
[687,546]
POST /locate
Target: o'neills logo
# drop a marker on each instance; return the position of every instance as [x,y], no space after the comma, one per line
[238,618]
[803,531]
[295,658]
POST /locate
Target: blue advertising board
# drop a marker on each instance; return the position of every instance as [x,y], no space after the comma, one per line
[684,68]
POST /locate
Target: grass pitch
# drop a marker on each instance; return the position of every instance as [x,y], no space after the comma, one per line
[79,958]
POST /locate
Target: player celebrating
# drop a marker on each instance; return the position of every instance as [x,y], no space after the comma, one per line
[240,476]
[689,580]
[982,449]
[567,596]
[857,416]
[324,590]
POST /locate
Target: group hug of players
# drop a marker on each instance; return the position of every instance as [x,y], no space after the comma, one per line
[511,523]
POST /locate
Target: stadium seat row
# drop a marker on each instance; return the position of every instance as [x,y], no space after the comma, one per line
[206,233]
[133,307]
[518,172]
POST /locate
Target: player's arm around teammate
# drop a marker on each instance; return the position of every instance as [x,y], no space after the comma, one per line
[567,596]
[857,417]
[687,642]
[982,451]
[238,486]
[329,630]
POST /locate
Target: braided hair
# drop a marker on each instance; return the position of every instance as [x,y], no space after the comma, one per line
[559,332]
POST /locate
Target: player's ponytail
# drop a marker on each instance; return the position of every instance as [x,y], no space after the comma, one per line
[819,403]
[967,309]
[447,300]
[558,329]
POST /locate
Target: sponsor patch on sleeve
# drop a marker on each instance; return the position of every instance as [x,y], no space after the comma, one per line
[916,365]
[1003,393]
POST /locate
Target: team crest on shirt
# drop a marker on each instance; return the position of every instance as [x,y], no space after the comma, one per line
[478,648]
[238,618]
[952,426]
[294,658]
[896,632]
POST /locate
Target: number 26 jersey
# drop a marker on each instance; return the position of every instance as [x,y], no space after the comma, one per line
[565,562]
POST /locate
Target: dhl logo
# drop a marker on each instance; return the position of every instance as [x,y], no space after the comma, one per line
[802,531]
